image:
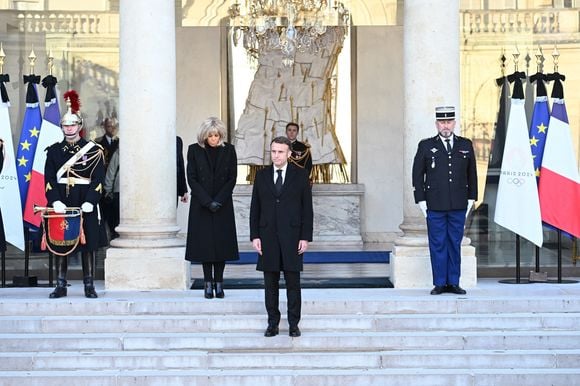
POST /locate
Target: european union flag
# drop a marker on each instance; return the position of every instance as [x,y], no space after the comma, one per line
[28,136]
[540,120]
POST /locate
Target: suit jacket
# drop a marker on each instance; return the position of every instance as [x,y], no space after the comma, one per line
[281,221]
[445,181]
[108,148]
[211,237]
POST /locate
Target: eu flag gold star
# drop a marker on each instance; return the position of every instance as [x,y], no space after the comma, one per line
[28,176]
[537,172]
[25,145]
[534,141]
[542,128]
[22,161]
[34,132]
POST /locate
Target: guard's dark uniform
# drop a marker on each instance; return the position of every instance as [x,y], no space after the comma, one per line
[83,183]
[301,156]
[445,181]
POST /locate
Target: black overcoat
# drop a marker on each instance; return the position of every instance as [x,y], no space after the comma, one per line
[2,234]
[445,181]
[91,166]
[211,237]
[280,222]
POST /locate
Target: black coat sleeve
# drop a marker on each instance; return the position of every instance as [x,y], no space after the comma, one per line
[181,182]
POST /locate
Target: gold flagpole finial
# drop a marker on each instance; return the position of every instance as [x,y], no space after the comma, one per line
[555,55]
[2,56]
[31,60]
[516,55]
[540,59]
[50,62]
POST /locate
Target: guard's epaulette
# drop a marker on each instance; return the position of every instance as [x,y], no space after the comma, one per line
[99,145]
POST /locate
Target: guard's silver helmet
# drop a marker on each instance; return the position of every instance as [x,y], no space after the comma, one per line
[72,116]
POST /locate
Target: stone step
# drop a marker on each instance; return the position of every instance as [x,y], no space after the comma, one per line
[310,341]
[250,302]
[194,360]
[415,377]
[256,323]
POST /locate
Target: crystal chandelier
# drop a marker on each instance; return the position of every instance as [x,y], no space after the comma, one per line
[287,25]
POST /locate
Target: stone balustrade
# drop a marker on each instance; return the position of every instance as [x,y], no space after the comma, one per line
[536,21]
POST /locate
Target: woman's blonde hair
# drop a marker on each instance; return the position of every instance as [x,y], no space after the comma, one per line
[209,126]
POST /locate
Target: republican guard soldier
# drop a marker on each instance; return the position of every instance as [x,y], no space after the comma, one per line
[74,174]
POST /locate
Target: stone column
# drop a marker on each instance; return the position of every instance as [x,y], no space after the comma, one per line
[431,77]
[148,254]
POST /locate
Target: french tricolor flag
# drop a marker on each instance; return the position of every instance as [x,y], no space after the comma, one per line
[559,187]
[50,133]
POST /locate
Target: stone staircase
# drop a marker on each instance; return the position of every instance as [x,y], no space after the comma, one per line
[350,337]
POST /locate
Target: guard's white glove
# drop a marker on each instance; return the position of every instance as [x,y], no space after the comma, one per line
[423,206]
[469,206]
[87,207]
[59,207]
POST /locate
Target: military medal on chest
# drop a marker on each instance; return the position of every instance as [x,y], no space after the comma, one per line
[433,150]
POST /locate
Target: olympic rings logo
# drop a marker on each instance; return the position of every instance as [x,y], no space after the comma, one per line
[516,181]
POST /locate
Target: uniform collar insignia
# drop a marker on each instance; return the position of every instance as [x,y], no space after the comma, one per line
[434,150]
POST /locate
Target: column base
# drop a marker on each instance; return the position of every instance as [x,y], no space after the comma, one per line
[411,267]
[147,269]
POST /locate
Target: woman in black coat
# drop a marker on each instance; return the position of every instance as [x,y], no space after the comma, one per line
[2,234]
[211,235]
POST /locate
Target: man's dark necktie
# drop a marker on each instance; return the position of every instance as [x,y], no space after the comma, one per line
[448,145]
[279,182]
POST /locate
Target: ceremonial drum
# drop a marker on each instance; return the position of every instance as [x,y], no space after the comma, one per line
[62,232]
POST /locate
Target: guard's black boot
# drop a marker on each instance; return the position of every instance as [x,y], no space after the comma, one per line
[208,290]
[88,274]
[59,290]
[219,289]
[61,270]
[90,288]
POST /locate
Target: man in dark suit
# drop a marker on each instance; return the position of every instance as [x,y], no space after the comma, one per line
[300,152]
[280,228]
[109,141]
[445,187]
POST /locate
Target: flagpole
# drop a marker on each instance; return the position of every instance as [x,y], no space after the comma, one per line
[26,280]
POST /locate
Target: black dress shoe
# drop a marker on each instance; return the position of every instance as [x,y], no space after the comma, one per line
[455,289]
[294,332]
[271,331]
[58,292]
[437,290]
[90,292]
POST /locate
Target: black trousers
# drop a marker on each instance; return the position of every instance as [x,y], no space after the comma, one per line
[293,297]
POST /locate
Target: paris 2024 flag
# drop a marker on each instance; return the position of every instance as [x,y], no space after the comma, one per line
[518,204]
[559,179]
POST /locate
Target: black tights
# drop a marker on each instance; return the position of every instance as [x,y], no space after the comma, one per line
[218,271]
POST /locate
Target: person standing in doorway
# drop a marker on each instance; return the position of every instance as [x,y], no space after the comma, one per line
[300,152]
[445,187]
